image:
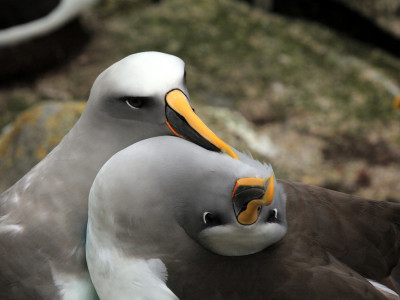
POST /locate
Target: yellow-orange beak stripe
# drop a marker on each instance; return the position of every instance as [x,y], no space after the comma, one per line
[177,101]
[249,182]
[269,193]
[250,215]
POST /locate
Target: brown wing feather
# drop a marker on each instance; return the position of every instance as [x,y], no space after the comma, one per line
[361,233]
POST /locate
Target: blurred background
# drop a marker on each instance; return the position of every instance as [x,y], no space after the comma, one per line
[309,86]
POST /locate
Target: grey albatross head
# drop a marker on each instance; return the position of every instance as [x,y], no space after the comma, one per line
[179,196]
[149,89]
[229,206]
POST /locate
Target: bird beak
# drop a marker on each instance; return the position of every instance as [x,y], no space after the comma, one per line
[184,123]
[249,195]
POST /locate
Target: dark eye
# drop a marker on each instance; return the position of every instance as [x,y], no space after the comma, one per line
[207,217]
[210,219]
[273,215]
[134,102]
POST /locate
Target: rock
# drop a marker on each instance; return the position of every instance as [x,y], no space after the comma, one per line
[32,136]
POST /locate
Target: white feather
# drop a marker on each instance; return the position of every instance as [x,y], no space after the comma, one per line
[382,287]
[118,276]
[236,240]
[73,287]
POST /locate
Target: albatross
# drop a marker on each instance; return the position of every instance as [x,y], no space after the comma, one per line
[43,216]
[171,220]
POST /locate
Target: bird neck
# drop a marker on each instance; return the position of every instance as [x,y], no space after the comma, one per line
[117,275]
[88,145]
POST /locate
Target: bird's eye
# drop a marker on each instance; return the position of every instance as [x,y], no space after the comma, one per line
[211,219]
[134,102]
[208,217]
[273,215]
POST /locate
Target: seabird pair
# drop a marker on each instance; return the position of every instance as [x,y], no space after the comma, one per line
[169,219]
[165,223]
[172,219]
[43,216]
